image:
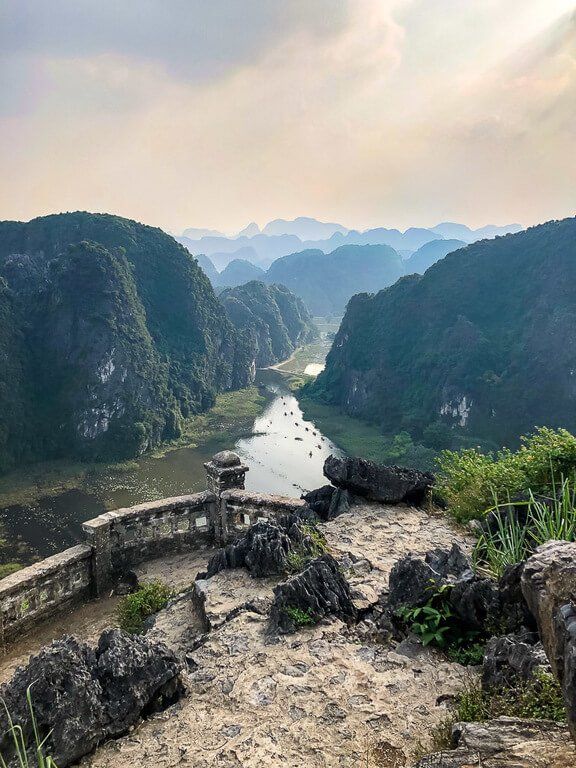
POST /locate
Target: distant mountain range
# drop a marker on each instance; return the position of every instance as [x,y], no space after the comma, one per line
[429,254]
[326,281]
[281,238]
[478,350]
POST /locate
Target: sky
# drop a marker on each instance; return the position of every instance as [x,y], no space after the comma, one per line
[215,113]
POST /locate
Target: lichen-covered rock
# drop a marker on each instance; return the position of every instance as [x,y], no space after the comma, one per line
[391,485]
[265,548]
[319,590]
[549,586]
[82,697]
[512,659]
[505,743]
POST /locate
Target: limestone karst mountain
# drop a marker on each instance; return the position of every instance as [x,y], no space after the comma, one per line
[111,335]
[275,320]
[480,348]
[238,272]
[326,281]
[429,254]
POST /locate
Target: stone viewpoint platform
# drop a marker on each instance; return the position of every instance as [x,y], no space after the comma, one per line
[117,541]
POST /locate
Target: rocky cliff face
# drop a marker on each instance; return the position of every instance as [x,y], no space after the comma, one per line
[111,335]
[271,317]
[480,347]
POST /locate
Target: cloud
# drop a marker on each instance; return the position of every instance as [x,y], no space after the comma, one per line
[391,112]
[190,39]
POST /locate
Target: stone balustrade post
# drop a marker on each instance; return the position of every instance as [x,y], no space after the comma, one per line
[224,472]
[98,536]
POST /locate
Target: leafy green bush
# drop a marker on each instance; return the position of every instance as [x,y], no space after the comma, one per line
[470,481]
[19,746]
[134,609]
[300,617]
[436,624]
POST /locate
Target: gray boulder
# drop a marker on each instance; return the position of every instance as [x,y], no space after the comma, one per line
[390,485]
[328,502]
[84,696]
[320,590]
[505,743]
[413,578]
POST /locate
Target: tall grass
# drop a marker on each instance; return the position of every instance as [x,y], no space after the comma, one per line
[510,542]
[22,752]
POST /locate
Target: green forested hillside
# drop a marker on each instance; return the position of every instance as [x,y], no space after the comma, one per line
[273,319]
[480,349]
[429,254]
[111,334]
[326,281]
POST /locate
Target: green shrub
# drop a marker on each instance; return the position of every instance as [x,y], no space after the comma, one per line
[301,618]
[540,698]
[470,481]
[19,746]
[552,518]
[134,609]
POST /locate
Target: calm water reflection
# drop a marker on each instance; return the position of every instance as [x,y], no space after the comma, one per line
[285,455]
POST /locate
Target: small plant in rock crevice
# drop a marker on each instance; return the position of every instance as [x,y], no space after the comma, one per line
[540,698]
[20,748]
[314,546]
[300,617]
[134,609]
[436,624]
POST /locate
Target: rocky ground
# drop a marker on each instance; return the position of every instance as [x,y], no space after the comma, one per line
[322,697]
[327,696]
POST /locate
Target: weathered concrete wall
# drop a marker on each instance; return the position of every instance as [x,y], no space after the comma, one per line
[125,537]
[119,540]
[37,592]
[241,509]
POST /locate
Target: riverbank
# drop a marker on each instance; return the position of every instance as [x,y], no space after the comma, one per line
[229,419]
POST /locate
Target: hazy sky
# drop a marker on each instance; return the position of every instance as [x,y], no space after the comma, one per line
[218,112]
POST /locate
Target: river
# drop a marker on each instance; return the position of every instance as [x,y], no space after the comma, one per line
[285,454]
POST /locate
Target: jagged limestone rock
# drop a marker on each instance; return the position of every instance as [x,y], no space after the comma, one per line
[319,590]
[414,578]
[83,696]
[512,659]
[390,485]
[549,586]
[266,548]
[328,502]
[505,743]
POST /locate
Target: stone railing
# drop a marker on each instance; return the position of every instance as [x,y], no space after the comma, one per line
[119,540]
[43,589]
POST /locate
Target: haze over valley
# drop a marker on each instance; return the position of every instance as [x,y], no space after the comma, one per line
[288,384]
